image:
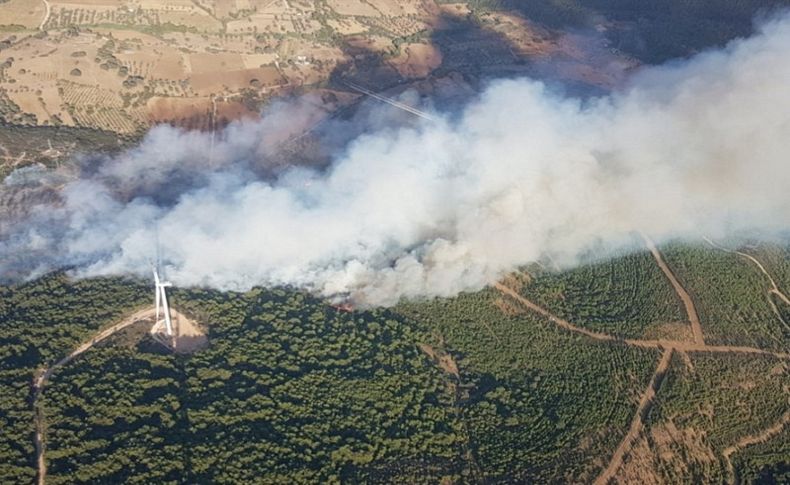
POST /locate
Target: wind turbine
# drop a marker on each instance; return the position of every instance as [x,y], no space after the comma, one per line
[162,307]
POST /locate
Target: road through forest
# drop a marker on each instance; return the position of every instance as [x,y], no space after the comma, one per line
[753,439]
[668,347]
[45,374]
[774,287]
[645,403]
[691,310]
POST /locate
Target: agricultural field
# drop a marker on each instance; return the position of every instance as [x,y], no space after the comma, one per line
[731,295]
[179,50]
[22,14]
[66,13]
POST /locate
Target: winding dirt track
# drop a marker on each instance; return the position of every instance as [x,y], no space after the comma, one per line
[669,346]
[774,287]
[754,439]
[45,375]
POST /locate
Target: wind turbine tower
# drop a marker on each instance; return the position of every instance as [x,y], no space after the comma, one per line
[163,328]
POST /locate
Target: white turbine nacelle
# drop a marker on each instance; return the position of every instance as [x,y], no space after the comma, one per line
[162,306]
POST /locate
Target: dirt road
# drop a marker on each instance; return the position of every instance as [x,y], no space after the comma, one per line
[669,346]
[637,423]
[774,287]
[695,347]
[691,310]
[557,320]
[45,375]
[657,344]
[46,15]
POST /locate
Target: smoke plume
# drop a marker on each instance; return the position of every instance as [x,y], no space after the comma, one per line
[429,208]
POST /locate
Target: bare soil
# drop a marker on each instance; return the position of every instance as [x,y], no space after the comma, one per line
[442,359]
[190,336]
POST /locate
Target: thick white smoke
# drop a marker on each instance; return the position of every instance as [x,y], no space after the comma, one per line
[699,146]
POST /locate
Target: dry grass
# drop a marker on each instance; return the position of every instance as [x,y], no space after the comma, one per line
[197,19]
[252,61]
[358,8]
[207,83]
[347,26]
[212,63]
[27,13]
[397,8]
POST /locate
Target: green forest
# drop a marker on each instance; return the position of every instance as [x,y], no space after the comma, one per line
[732,297]
[471,389]
[627,296]
[728,397]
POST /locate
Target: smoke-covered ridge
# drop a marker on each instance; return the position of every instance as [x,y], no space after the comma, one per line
[435,208]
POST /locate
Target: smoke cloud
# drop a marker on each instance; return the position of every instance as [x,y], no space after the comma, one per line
[435,208]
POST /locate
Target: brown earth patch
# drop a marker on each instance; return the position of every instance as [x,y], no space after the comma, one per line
[170,66]
[442,359]
[190,337]
[507,307]
[195,113]
[637,424]
[679,331]
[417,60]
[669,448]
[640,466]
[211,63]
